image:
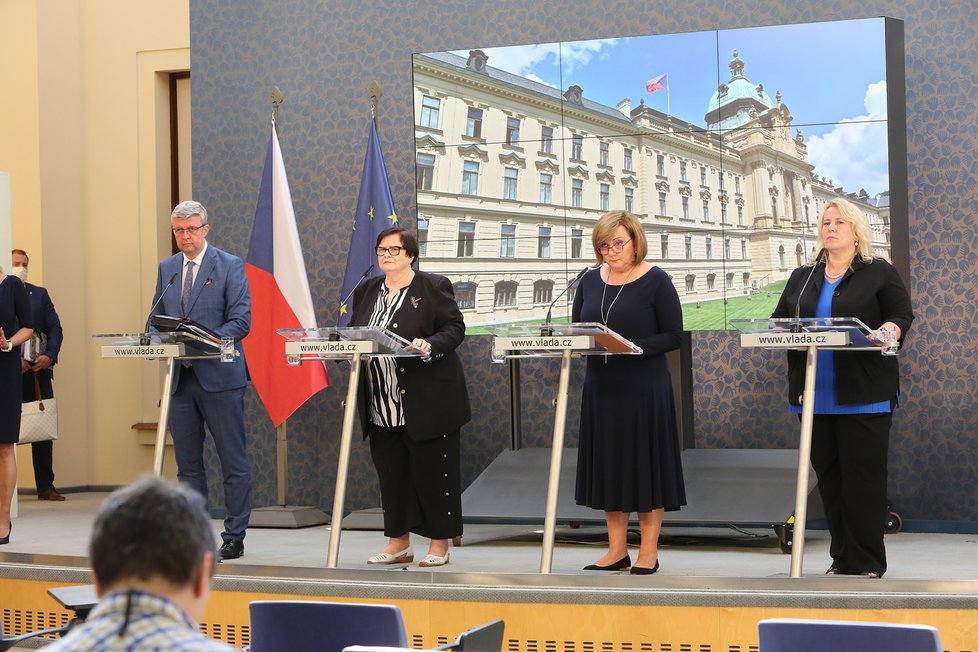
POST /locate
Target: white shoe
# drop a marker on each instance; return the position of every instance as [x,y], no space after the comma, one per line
[433,560]
[401,557]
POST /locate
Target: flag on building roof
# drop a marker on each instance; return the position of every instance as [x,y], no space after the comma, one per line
[280,296]
[375,212]
[657,83]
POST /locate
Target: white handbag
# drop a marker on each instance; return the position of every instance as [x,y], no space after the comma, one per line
[38,419]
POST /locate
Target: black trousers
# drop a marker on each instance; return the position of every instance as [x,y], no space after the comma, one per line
[849,454]
[420,484]
[42,452]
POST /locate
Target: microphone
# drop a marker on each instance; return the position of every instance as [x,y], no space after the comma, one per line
[333,337]
[546,330]
[796,326]
[144,340]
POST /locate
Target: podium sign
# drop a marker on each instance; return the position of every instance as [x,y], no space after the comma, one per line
[523,340]
[779,340]
[147,352]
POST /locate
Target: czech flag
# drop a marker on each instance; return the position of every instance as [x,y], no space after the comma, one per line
[657,83]
[280,296]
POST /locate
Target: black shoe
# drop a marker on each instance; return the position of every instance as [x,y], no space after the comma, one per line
[642,570]
[232,549]
[621,564]
[6,539]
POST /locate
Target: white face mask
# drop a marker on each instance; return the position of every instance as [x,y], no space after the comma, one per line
[20,271]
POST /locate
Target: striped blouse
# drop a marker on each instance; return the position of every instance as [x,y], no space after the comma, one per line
[385,393]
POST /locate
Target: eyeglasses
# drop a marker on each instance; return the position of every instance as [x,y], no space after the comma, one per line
[190,229]
[393,251]
[615,246]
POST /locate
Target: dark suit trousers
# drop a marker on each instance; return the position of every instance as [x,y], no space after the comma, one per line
[849,454]
[42,452]
[191,407]
[420,484]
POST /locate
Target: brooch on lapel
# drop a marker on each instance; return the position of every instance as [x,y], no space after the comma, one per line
[415,301]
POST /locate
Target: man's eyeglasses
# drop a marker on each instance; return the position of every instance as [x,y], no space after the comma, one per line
[393,251]
[179,231]
[615,246]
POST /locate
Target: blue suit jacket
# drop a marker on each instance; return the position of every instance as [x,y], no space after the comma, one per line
[221,301]
[46,321]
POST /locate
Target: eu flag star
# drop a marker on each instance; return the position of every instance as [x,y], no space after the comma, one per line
[392,217]
[342,309]
[370,213]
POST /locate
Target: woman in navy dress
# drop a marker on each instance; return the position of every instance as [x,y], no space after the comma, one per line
[628,457]
[15,329]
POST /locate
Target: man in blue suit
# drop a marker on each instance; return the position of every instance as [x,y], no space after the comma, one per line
[40,365]
[211,289]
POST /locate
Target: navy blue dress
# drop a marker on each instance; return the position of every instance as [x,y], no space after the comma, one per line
[628,457]
[15,313]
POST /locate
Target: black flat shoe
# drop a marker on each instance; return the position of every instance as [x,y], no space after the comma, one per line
[6,539]
[641,570]
[834,570]
[621,564]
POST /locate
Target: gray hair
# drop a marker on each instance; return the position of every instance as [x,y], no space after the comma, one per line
[190,208]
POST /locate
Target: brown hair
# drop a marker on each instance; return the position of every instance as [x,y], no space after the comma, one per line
[607,224]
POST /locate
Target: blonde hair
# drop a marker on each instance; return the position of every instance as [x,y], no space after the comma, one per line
[860,227]
[607,224]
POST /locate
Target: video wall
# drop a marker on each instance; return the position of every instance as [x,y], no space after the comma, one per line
[726,144]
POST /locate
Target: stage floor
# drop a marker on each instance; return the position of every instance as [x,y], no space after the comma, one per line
[62,530]
[714,586]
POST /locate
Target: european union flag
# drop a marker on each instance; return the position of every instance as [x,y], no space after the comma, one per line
[375,212]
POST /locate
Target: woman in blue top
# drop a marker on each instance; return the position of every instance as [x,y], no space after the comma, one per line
[855,392]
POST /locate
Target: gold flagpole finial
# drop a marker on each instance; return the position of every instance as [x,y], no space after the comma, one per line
[275,98]
[375,92]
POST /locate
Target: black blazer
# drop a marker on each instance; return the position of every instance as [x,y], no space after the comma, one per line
[433,393]
[873,293]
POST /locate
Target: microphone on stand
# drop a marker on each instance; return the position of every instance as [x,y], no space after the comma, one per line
[546,330]
[333,337]
[796,326]
[144,340]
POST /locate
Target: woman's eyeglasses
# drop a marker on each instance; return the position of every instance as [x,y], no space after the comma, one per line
[393,251]
[615,246]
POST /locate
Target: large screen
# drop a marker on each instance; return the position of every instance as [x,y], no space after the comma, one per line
[726,144]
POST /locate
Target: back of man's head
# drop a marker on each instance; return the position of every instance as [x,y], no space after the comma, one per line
[152,529]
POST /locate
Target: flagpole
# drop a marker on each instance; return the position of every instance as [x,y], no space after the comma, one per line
[668,102]
[276,98]
[283,515]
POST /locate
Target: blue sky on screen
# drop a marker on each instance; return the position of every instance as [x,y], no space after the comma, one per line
[830,75]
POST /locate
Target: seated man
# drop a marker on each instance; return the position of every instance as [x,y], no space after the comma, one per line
[152,554]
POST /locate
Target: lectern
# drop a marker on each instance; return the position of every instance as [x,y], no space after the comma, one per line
[169,347]
[353,343]
[813,334]
[564,341]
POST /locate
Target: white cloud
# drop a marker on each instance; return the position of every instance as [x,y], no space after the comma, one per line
[854,154]
[523,60]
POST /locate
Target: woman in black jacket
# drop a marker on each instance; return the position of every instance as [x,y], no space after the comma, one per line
[855,392]
[412,409]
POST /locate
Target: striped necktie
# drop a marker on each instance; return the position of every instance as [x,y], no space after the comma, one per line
[188,286]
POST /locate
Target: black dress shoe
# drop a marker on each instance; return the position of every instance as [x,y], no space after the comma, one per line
[6,539]
[642,570]
[232,549]
[621,564]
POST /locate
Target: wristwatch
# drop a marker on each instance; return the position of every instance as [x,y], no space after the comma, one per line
[8,348]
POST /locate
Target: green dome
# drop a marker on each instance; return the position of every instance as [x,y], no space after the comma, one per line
[730,105]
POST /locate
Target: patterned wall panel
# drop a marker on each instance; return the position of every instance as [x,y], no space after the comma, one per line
[324,54]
